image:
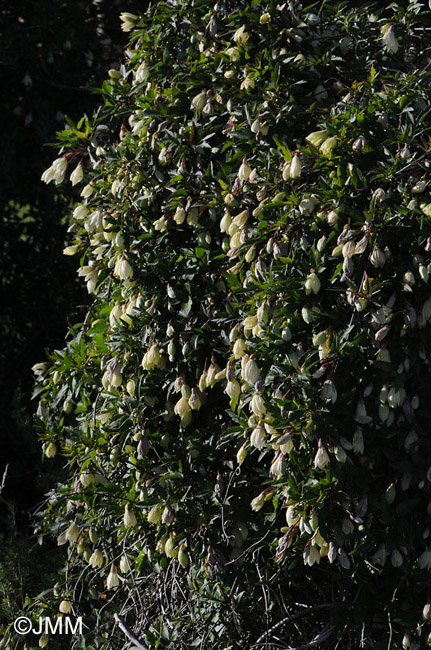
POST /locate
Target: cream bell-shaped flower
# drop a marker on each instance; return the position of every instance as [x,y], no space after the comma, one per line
[234,54]
[321,459]
[257,502]
[233,389]
[125,564]
[155,514]
[60,167]
[129,518]
[87,191]
[96,559]
[329,391]
[258,437]
[286,171]
[251,371]
[312,284]
[198,102]
[241,36]
[122,269]
[142,73]
[48,175]
[239,348]
[77,175]
[317,137]
[389,39]
[327,146]
[257,405]
[180,215]
[152,358]
[244,171]
[295,168]
[56,172]
[128,21]
[73,532]
[113,580]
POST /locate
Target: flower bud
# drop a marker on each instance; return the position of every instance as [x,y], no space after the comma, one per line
[359,144]
[424,560]
[170,549]
[419,187]
[51,450]
[198,102]
[183,557]
[155,514]
[65,607]
[390,494]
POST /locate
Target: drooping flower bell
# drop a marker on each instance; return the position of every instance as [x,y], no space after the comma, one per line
[312,283]
[321,459]
[113,580]
[295,168]
[77,175]
[198,102]
[389,39]
[129,518]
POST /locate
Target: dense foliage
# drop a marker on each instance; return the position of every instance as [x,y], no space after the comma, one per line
[243,410]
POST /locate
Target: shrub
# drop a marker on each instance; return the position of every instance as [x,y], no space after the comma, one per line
[244,409]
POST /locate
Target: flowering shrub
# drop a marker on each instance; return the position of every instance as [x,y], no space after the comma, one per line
[244,409]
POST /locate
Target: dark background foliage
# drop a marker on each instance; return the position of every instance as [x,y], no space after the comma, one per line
[52,53]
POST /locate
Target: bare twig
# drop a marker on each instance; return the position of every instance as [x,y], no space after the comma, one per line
[3,481]
[288,619]
[265,599]
[390,631]
[322,636]
[129,635]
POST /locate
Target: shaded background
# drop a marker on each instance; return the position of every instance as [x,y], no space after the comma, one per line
[52,53]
